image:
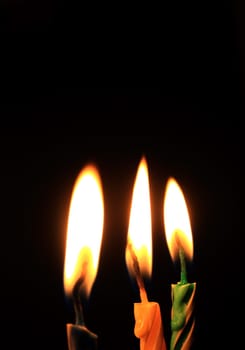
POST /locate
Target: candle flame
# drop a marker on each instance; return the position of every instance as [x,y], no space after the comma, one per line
[139,231]
[176,221]
[84,230]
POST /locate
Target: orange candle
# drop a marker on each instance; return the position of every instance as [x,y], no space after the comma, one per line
[148,323]
[83,242]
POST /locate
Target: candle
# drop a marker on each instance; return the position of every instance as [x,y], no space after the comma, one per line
[83,243]
[148,323]
[179,241]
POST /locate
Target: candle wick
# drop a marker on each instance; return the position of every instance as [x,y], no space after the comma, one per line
[183,274]
[76,293]
[138,276]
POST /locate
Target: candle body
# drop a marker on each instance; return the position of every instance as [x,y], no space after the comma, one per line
[148,326]
[80,338]
[182,320]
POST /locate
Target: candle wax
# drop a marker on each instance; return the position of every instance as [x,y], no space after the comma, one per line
[148,326]
[80,338]
[182,321]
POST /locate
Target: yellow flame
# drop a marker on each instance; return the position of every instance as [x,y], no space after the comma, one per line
[176,221]
[139,231]
[84,230]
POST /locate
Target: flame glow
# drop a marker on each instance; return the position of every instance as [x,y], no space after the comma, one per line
[84,230]
[176,221]
[139,231]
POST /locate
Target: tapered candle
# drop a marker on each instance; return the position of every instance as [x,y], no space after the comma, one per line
[148,323]
[179,240]
[83,242]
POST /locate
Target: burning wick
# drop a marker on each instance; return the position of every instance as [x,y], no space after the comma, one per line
[79,337]
[76,294]
[183,274]
[77,302]
[138,276]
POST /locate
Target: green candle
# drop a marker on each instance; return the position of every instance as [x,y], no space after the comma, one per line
[182,317]
[179,240]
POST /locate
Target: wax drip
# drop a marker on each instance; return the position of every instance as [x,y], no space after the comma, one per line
[138,276]
[76,294]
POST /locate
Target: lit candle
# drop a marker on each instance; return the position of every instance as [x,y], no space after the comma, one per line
[148,323]
[179,241]
[83,243]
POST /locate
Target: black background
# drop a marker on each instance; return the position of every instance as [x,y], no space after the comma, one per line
[189,127]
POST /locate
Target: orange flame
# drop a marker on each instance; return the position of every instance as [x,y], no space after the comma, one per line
[84,230]
[139,231]
[176,221]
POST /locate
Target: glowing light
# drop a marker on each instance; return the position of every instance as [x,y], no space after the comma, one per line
[84,230]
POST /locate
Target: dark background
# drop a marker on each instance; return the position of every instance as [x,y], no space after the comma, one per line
[189,127]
